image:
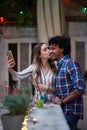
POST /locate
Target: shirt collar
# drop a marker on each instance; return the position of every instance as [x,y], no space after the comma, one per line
[62,60]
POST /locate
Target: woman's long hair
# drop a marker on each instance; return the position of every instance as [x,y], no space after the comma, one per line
[37,61]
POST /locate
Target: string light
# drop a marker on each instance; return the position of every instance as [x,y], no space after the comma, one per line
[84,10]
[1,19]
[67,2]
[21,12]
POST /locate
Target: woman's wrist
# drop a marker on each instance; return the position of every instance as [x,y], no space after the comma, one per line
[9,68]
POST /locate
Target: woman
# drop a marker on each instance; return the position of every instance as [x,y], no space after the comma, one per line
[41,72]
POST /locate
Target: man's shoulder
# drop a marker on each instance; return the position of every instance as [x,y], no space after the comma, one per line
[69,60]
[71,63]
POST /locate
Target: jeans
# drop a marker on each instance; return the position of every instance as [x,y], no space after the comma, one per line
[72,121]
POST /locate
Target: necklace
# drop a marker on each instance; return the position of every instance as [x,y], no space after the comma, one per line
[45,69]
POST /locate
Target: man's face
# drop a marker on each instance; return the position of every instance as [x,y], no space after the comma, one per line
[56,53]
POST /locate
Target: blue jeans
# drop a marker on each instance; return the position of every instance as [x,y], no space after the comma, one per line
[72,121]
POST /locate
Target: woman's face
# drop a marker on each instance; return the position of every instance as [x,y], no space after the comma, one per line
[44,53]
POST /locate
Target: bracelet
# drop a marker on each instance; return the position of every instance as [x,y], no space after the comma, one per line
[62,103]
[47,89]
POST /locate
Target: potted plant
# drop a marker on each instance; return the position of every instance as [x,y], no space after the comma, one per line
[17,103]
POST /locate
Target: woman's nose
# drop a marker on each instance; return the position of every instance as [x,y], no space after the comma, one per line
[50,51]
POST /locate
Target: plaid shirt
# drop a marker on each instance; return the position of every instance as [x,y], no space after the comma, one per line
[69,78]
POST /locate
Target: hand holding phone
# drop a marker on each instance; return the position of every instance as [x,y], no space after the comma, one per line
[10,58]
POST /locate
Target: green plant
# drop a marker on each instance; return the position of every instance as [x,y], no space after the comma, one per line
[17,102]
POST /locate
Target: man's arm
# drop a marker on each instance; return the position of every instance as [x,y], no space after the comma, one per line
[74,95]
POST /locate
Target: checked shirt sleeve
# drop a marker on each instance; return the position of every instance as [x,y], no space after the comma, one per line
[76,76]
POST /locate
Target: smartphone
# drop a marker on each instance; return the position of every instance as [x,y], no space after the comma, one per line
[10,56]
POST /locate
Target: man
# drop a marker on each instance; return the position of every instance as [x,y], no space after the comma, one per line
[70,84]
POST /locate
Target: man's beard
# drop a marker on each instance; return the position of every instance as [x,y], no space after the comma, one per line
[52,57]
